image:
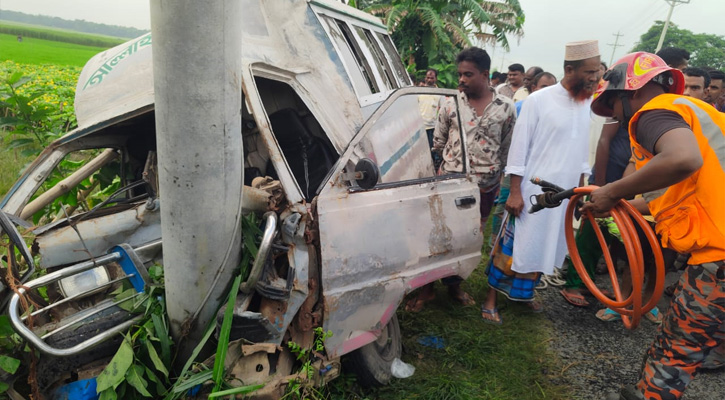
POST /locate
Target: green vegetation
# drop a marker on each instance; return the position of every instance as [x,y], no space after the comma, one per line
[40,51]
[479,360]
[428,32]
[75,25]
[36,106]
[706,50]
[58,35]
[11,164]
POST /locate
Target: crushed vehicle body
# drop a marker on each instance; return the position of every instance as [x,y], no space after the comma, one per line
[337,167]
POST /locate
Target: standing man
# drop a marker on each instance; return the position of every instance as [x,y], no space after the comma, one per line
[431,77]
[428,106]
[540,81]
[717,78]
[515,81]
[496,78]
[679,149]
[697,83]
[675,57]
[525,90]
[551,141]
[488,121]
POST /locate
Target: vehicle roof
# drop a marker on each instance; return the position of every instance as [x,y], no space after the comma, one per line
[280,36]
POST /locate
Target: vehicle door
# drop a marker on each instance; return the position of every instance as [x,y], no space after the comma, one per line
[389,222]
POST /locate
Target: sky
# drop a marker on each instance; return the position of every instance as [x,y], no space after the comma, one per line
[549,25]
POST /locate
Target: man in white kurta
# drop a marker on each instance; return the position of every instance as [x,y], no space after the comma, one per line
[551,141]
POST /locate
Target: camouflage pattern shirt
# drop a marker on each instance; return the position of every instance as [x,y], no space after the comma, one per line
[488,136]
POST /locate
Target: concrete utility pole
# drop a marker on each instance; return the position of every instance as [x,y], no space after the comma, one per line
[614,46]
[672,4]
[197,60]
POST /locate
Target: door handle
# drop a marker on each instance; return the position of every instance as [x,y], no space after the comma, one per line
[465,201]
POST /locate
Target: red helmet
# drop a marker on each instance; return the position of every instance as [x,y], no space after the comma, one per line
[632,72]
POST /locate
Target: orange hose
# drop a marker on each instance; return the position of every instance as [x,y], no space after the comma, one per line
[632,308]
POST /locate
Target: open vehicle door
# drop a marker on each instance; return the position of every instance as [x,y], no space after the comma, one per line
[389,223]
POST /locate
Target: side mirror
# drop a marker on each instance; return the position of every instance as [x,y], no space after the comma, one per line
[367,173]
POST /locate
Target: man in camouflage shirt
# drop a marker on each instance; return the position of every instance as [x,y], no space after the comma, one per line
[488,121]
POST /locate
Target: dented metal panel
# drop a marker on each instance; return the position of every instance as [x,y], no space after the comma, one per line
[404,237]
[135,226]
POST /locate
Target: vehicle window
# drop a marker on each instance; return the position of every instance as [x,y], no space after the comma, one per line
[399,142]
[358,67]
[81,181]
[304,145]
[380,62]
[392,55]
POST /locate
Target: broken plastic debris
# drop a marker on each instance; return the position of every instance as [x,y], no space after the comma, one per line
[401,370]
[432,341]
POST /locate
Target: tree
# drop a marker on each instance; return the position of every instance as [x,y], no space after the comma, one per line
[428,32]
[706,50]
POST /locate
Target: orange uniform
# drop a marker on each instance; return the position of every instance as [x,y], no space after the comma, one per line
[690,217]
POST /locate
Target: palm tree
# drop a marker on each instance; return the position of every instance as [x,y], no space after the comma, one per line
[433,31]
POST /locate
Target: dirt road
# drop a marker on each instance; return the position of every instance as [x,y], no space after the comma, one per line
[598,357]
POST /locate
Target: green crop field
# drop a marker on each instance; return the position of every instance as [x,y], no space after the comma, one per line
[40,51]
[58,35]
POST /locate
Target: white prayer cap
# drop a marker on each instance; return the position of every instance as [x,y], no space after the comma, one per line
[581,50]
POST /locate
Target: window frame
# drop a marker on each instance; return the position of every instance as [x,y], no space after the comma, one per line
[337,174]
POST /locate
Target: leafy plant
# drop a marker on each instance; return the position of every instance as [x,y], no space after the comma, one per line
[706,50]
[428,32]
[140,366]
[303,388]
[30,125]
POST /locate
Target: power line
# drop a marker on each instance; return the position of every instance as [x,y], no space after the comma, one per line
[673,4]
[614,46]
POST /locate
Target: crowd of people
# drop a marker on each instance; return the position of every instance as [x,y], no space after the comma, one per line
[661,146]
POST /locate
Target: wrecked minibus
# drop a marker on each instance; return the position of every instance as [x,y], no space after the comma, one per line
[337,167]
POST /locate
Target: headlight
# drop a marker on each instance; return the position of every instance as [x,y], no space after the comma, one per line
[86,281]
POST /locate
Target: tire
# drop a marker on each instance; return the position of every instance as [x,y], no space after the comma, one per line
[371,363]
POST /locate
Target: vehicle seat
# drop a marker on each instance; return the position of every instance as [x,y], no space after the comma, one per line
[308,156]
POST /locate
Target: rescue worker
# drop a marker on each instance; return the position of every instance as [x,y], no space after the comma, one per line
[679,149]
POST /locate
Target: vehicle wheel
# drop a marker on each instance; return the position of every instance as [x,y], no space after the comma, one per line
[371,363]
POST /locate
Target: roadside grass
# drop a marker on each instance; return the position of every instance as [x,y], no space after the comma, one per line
[479,360]
[11,165]
[40,51]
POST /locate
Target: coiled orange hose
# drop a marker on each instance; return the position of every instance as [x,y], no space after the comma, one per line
[632,308]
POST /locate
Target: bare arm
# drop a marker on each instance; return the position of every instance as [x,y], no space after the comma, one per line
[601,158]
[677,156]
[515,202]
[641,205]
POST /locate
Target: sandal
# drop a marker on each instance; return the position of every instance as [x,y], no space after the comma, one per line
[608,315]
[462,297]
[535,306]
[417,303]
[670,290]
[575,299]
[654,316]
[491,316]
